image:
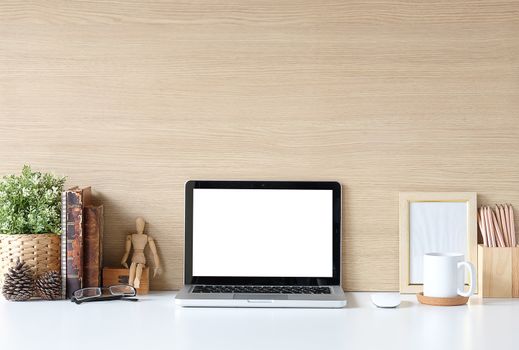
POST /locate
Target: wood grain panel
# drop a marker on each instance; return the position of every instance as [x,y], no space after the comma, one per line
[136,97]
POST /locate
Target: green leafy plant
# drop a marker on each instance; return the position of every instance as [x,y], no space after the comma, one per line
[30,203]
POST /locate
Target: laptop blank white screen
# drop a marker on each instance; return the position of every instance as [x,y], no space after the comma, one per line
[262,233]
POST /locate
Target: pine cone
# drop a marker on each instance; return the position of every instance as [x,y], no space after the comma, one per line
[18,283]
[48,285]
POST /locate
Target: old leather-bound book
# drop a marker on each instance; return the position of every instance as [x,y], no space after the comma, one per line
[75,200]
[93,246]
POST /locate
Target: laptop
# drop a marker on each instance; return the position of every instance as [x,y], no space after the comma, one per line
[262,244]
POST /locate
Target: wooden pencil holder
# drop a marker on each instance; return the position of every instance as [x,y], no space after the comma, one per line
[498,272]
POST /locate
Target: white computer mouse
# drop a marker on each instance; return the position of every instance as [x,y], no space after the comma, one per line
[386,300]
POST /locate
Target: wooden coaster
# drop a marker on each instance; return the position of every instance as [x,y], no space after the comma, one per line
[454,301]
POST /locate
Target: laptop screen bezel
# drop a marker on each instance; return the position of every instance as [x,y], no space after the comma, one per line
[335,187]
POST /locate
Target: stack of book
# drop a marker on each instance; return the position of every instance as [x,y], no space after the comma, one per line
[81,241]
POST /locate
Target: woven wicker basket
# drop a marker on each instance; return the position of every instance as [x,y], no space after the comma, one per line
[40,251]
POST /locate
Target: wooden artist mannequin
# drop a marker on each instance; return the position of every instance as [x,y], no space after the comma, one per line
[139,241]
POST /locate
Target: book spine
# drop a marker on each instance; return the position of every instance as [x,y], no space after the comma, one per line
[63,244]
[93,242]
[74,242]
[101,239]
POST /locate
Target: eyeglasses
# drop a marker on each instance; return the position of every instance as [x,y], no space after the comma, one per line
[118,292]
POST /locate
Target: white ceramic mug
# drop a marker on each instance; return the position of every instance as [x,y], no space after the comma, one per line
[444,275]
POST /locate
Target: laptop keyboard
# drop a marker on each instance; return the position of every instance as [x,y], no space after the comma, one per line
[262,289]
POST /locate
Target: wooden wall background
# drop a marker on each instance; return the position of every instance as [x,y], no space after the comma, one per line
[135,97]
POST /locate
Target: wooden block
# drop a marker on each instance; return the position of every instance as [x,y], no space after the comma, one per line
[114,275]
[498,272]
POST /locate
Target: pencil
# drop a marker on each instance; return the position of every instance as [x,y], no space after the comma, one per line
[501,241]
[491,235]
[498,216]
[482,228]
[510,220]
[504,223]
[484,222]
[513,226]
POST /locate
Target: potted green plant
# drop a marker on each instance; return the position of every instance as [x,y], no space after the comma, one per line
[30,221]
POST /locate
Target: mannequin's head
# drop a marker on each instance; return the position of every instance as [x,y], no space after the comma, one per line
[139,224]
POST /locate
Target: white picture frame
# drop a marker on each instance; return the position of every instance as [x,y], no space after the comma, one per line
[434,222]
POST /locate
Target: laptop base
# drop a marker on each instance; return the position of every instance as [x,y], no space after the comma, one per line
[336,299]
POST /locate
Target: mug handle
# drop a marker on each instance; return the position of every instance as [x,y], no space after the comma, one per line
[472,273]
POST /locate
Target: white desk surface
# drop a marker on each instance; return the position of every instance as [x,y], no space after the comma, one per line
[155,322]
